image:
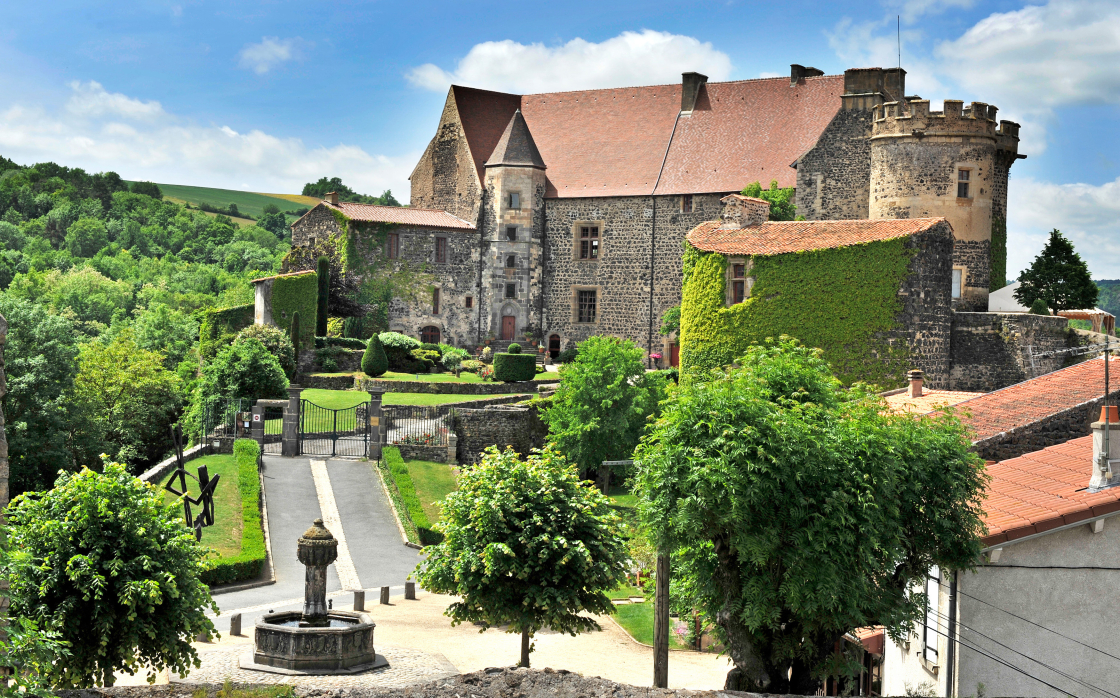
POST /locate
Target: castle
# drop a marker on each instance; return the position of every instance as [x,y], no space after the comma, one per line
[563,215]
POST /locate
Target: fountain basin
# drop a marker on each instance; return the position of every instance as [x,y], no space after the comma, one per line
[343,647]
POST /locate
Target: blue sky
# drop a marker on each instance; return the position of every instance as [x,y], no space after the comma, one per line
[267,95]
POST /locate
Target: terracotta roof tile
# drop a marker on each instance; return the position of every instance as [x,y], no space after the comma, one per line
[929,401]
[781,237]
[421,217]
[1043,490]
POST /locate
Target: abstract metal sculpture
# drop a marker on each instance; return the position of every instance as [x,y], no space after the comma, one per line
[205,489]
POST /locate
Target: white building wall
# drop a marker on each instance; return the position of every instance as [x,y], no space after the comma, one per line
[905,667]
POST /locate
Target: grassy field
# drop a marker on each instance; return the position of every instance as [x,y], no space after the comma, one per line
[621,497]
[464,377]
[433,482]
[637,618]
[247,202]
[341,399]
[225,535]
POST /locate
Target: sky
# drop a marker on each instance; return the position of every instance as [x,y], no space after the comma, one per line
[265,96]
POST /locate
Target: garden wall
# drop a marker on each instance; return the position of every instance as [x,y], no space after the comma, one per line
[989,350]
[501,426]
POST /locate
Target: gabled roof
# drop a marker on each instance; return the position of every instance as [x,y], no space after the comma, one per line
[1043,490]
[928,402]
[421,217]
[781,237]
[615,142]
[516,147]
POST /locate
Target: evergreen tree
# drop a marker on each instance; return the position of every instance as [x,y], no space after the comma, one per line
[1059,277]
[295,338]
[323,270]
[374,361]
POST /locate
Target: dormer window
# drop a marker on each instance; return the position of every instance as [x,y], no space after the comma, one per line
[514,200]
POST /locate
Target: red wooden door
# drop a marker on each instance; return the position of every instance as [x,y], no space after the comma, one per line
[675,355]
[509,327]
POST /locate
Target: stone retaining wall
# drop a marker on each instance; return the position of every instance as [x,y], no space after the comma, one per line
[989,350]
[501,426]
[435,454]
[450,388]
[160,470]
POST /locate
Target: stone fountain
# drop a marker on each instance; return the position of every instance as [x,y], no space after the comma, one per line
[318,640]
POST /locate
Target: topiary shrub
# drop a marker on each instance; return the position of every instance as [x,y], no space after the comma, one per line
[470,365]
[323,276]
[514,368]
[277,342]
[295,337]
[514,348]
[425,357]
[398,349]
[428,346]
[374,361]
[1039,307]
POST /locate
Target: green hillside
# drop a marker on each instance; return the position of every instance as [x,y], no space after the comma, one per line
[247,202]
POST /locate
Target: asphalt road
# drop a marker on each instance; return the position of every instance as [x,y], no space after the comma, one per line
[379,555]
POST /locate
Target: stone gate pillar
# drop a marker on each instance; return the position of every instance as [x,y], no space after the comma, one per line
[376,428]
[290,443]
[256,430]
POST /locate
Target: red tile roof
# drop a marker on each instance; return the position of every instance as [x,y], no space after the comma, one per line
[613,142]
[1040,491]
[1027,402]
[421,217]
[780,237]
[929,401]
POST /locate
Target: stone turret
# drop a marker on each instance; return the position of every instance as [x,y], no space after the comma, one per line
[952,164]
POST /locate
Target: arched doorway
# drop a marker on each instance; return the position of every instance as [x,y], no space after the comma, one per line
[429,335]
[554,346]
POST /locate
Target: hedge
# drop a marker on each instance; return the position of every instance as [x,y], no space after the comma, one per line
[390,465]
[249,562]
[218,327]
[398,349]
[344,342]
[298,293]
[512,368]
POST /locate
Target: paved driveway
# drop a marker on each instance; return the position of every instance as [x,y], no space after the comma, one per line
[347,495]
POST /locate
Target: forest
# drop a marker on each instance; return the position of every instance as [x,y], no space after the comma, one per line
[101,283]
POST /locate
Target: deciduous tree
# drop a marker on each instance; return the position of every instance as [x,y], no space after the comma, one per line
[244,369]
[781,200]
[1059,277]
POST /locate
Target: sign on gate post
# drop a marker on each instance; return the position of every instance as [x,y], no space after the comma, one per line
[256,430]
[375,426]
[290,444]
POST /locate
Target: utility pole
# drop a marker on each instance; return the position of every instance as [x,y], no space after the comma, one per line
[661,624]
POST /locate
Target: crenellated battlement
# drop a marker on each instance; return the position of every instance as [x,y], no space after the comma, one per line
[914,119]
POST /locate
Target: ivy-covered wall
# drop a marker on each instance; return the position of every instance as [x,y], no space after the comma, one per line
[296,293]
[876,309]
[217,328]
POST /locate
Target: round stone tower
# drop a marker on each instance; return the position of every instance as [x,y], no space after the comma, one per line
[951,164]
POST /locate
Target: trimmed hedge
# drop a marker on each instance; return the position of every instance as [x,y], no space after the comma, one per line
[514,368]
[298,293]
[217,328]
[397,498]
[249,562]
[398,349]
[403,482]
[374,361]
[343,342]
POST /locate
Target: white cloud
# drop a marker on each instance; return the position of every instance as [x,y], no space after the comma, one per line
[100,131]
[92,100]
[269,53]
[912,10]
[631,58]
[1086,214]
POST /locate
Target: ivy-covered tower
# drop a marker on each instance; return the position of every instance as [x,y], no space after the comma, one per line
[952,164]
[512,230]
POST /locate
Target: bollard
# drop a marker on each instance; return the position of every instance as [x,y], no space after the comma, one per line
[410,591]
[359,600]
[384,596]
[202,637]
[235,624]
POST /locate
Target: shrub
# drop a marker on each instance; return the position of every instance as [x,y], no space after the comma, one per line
[452,357]
[514,348]
[217,328]
[398,350]
[334,327]
[246,564]
[343,342]
[512,368]
[471,365]
[374,361]
[1039,307]
[568,355]
[328,365]
[428,346]
[426,356]
[487,355]
[486,373]
[323,276]
[277,342]
[245,369]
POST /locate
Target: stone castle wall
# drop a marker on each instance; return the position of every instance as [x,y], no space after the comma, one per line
[834,178]
[926,319]
[445,178]
[990,350]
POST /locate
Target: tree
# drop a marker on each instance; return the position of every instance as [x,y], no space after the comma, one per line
[130,397]
[1039,307]
[86,237]
[1059,277]
[244,369]
[114,572]
[671,321]
[781,200]
[277,342]
[526,545]
[172,332]
[325,186]
[147,189]
[799,511]
[374,361]
[602,405]
[323,273]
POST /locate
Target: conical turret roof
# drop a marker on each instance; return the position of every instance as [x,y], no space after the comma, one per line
[516,146]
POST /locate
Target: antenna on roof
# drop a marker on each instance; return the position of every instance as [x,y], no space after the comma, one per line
[898,35]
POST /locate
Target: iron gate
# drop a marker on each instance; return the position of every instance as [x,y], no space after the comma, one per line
[327,432]
[417,425]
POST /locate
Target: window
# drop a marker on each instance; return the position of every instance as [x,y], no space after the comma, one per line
[931,623]
[429,335]
[738,283]
[511,290]
[958,281]
[589,242]
[435,301]
[514,200]
[686,203]
[511,233]
[470,301]
[441,250]
[585,306]
[962,183]
[511,262]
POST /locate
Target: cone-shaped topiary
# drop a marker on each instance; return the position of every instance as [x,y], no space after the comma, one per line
[1039,307]
[374,361]
[295,337]
[324,277]
[514,348]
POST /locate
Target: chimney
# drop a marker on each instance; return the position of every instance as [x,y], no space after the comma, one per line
[1102,475]
[743,211]
[332,198]
[690,90]
[916,379]
[798,72]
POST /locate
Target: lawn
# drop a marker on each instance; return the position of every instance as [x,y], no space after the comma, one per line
[620,496]
[225,535]
[341,399]
[433,482]
[464,377]
[637,619]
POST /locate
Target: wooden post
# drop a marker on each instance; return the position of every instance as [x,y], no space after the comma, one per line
[410,591]
[359,600]
[384,596]
[661,624]
[235,624]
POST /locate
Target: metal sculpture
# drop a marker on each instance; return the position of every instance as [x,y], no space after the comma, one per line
[206,488]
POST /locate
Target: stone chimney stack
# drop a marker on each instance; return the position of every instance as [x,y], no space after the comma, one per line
[332,198]
[690,90]
[743,211]
[1102,475]
[916,379]
[797,73]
